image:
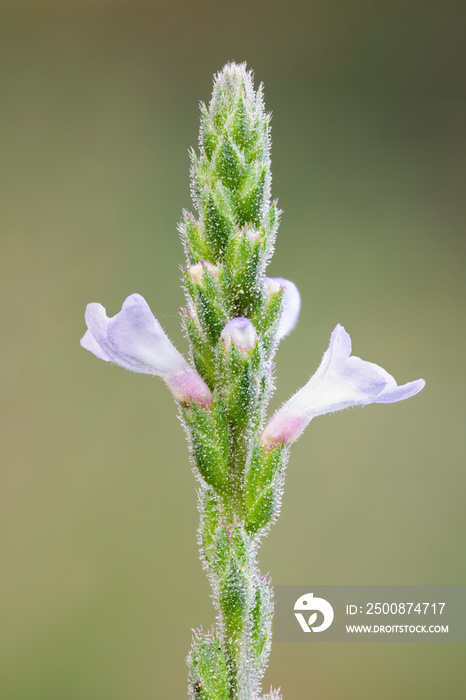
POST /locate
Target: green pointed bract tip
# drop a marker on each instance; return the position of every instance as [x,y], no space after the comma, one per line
[231,176]
[261,621]
[208,673]
[234,590]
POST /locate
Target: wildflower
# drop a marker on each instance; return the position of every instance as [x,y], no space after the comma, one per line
[341,381]
[135,340]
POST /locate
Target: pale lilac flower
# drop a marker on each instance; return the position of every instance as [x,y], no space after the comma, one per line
[241,332]
[341,381]
[291,303]
[135,340]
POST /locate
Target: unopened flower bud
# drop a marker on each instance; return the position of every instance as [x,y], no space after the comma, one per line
[241,333]
[196,272]
[253,234]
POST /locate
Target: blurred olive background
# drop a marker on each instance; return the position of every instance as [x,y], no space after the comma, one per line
[100,578]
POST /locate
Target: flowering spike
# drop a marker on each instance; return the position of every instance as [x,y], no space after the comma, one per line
[233,318]
[341,381]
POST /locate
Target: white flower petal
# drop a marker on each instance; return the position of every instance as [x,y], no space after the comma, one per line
[140,341]
[88,342]
[340,381]
[135,340]
[291,303]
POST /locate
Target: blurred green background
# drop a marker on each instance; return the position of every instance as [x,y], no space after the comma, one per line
[100,578]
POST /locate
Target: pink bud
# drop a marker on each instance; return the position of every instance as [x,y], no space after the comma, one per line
[239,332]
